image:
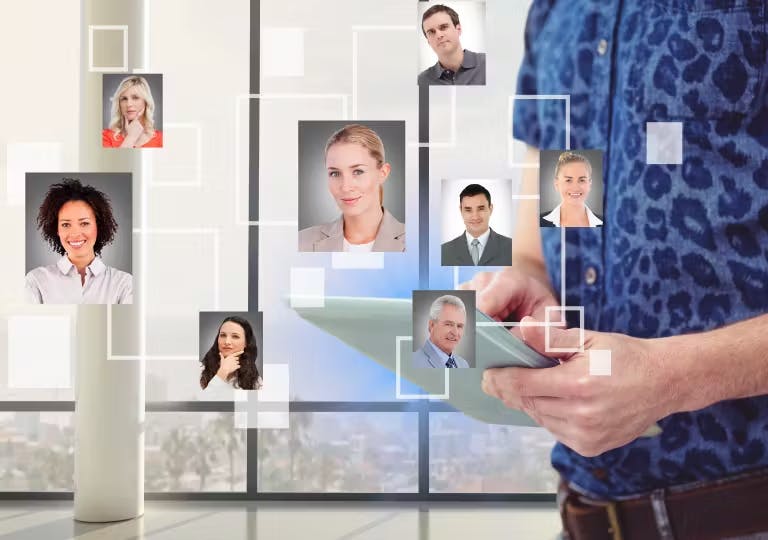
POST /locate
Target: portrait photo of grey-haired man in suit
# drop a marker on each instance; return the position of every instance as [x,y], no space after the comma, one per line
[447,324]
[479,245]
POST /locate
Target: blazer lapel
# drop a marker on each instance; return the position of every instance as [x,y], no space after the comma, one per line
[465,259]
[389,236]
[334,236]
[490,250]
[430,354]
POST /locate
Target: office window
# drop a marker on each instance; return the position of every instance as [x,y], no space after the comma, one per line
[36,451]
[341,452]
[467,456]
[194,452]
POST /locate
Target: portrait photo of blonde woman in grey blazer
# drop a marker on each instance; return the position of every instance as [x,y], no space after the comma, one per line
[358,175]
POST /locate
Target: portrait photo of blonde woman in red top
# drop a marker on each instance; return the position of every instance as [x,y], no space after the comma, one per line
[132,115]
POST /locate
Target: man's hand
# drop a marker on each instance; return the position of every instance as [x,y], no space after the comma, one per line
[590,414]
[510,295]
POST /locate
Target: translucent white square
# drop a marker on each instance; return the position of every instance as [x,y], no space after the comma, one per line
[276,386]
[28,157]
[600,363]
[307,287]
[664,143]
[364,261]
[267,407]
[39,351]
[282,52]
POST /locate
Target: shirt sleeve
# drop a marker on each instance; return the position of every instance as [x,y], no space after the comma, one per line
[526,122]
[32,290]
[126,295]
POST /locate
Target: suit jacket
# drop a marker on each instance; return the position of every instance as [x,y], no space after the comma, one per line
[330,236]
[426,357]
[497,252]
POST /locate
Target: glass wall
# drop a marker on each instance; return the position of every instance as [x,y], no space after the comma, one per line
[348,432]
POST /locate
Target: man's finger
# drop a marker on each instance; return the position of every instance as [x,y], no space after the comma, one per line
[478,282]
[548,406]
[527,382]
[536,337]
[502,296]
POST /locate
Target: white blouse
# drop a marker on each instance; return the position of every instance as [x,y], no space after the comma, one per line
[60,283]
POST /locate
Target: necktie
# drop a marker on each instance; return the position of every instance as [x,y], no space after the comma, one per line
[474,251]
[451,363]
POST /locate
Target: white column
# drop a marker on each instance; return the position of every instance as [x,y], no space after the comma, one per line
[109,394]
[109,425]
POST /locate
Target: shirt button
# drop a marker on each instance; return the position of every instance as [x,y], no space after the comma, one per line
[590,276]
[600,474]
[602,47]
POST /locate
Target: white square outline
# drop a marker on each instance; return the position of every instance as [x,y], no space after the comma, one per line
[238,101]
[198,182]
[510,139]
[119,69]
[548,324]
[143,285]
[513,198]
[398,379]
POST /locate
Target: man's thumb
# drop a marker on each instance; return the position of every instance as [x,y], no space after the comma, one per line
[550,340]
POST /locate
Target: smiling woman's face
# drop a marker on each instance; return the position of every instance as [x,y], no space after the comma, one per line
[132,103]
[573,183]
[354,178]
[231,338]
[77,230]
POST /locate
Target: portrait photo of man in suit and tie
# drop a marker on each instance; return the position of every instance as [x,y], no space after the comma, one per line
[444,329]
[478,244]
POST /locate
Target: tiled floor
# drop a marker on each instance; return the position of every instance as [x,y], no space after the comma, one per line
[288,521]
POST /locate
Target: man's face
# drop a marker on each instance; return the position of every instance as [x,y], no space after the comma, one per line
[476,212]
[441,34]
[447,330]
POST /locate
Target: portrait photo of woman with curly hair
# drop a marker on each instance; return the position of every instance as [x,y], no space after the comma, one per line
[232,360]
[78,221]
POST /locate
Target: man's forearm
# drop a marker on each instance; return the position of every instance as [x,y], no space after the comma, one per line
[726,363]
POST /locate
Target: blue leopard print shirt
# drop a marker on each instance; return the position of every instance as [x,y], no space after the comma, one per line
[684,248]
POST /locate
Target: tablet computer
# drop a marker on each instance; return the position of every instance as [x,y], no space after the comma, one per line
[381,329]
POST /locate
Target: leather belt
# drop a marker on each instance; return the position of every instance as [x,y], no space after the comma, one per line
[720,509]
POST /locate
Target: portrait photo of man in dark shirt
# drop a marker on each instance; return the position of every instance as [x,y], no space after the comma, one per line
[455,65]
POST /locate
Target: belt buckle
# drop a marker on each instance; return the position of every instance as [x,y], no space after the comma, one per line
[613,521]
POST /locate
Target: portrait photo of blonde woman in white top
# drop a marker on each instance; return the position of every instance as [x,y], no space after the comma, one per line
[351,187]
[571,181]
